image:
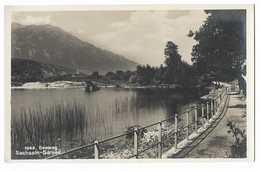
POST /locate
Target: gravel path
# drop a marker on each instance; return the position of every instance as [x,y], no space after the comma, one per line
[215,142]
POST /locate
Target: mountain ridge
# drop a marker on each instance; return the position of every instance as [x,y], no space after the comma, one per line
[52,45]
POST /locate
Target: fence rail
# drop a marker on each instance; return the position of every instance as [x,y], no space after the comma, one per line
[208,110]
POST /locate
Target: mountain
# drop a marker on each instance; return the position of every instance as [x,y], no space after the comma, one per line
[52,45]
[24,70]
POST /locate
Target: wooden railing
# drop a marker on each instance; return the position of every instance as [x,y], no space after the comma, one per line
[208,110]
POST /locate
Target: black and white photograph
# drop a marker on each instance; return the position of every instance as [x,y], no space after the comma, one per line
[129,82]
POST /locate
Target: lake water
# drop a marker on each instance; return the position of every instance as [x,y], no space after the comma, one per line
[121,107]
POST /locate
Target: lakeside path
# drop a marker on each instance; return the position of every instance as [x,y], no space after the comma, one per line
[215,142]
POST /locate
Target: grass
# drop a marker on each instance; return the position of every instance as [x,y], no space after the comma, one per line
[64,125]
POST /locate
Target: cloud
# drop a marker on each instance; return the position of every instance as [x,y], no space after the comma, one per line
[27,20]
[81,31]
[143,37]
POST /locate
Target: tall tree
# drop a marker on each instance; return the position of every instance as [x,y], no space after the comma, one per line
[173,63]
[221,44]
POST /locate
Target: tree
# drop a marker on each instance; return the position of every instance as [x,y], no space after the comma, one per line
[120,74]
[221,44]
[95,75]
[173,63]
[144,74]
[127,75]
[112,76]
[159,76]
[189,75]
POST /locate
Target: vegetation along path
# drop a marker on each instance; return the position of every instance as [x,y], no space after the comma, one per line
[215,142]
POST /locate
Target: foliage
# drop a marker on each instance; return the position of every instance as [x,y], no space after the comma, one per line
[140,131]
[117,77]
[173,63]
[112,76]
[95,75]
[23,70]
[189,75]
[221,44]
[205,80]
[144,75]
[238,149]
[159,76]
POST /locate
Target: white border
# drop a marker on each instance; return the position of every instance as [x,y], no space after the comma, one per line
[183,166]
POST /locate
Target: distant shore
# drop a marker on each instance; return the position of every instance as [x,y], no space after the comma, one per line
[51,85]
[72,84]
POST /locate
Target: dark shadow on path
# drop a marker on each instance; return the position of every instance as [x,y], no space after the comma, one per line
[238,106]
[240,97]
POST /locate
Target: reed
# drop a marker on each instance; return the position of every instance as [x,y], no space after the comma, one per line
[65,125]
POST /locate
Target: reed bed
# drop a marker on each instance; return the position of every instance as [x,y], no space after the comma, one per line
[64,125]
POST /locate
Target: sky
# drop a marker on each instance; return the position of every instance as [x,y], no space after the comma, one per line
[140,36]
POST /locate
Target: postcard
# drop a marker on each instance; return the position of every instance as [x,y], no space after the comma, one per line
[112,83]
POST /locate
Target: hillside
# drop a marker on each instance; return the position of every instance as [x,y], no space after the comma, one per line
[52,45]
[23,70]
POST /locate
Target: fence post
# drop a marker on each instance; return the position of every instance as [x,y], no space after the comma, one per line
[202,115]
[135,143]
[207,112]
[212,109]
[216,106]
[196,119]
[176,129]
[187,125]
[96,150]
[160,140]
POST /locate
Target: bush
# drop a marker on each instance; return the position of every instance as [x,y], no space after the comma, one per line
[140,131]
[205,80]
[238,149]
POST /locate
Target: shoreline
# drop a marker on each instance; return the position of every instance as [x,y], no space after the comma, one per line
[80,85]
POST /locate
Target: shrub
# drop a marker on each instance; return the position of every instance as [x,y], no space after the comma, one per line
[238,149]
[140,131]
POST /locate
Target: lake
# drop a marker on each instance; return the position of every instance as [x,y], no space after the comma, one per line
[104,113]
